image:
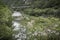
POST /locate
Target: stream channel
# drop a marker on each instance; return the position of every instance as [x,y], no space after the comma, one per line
[20,31]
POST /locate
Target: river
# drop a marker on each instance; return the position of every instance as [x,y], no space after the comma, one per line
[20,30]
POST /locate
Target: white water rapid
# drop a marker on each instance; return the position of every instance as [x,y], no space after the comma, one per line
[20,31]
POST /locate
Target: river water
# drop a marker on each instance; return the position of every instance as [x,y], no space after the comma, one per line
[20,30]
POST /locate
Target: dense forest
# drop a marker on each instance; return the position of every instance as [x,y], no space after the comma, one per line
[41,19]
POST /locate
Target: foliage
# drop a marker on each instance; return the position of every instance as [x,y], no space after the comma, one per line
[5,22]
[42,28]
[43,12]
[42,20]
[45,3]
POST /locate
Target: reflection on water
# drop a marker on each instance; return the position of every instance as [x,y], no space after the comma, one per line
[21,35]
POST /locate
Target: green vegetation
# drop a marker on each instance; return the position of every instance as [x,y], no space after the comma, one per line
[42,20]
[42,28]
[5,22]
[43,12]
